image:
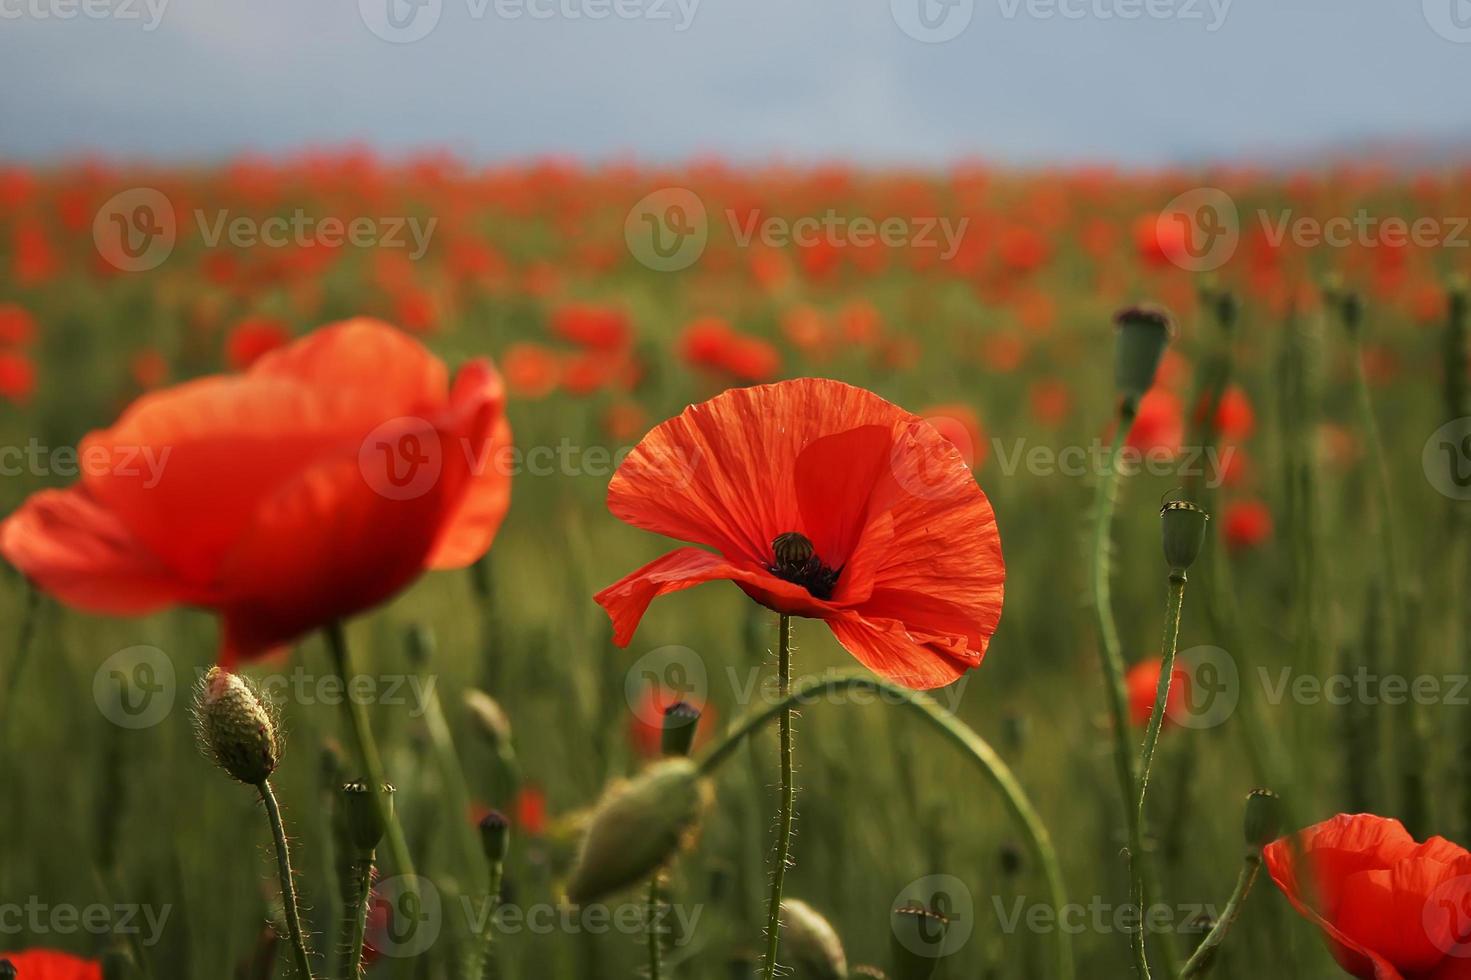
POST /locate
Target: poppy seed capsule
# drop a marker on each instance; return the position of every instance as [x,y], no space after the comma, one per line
[363,822]
[1143,333]
[681,720]
[1262,822]
[495,836]
[638,826]
[811,943]
[918,941]
[235,728]
[1182,525]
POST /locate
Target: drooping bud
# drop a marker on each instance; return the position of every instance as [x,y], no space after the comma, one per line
[488,717]
[638,826]
[1262,822]
[918,941]
[235,727]
[1182,524]
[1143,333]
[811,943]
[681,720]
[495,836]
[362,820]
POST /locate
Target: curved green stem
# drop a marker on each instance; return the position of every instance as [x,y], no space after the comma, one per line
[1204,956]
[788,801]
[288,883]
[1168,646]
[360,892]
[963,737]
[357,717]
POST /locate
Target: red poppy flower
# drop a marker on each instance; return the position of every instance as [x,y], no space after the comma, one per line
[820,500]
[531,810]
[1159,426]
[253,338]
[1247,524]
[149,368]
[595,327]
[45,964]
[17,377]
[1142,683]
[531,370]
[315,485]
[17,326]
[1389,908]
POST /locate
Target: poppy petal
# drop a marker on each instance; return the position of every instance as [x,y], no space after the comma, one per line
[479,397]
[835,477]
[885,647]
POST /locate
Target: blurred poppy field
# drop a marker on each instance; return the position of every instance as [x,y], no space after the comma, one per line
[347,428]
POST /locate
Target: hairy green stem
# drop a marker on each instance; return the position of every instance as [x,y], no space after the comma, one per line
[957,732]
[362,729]
[1203,958]
[656,949]
[1168,645]
[288,883]
[486,966]
[788,800]
[360,887]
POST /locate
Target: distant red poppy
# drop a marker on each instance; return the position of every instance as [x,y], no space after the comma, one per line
[1159,426]
[597,327]
[313,486]
[710,343]
[149,368]
[531,370]
[1050,402]
[1142,683]
[821,500]
[1389,908]
[17,326]
[45,964]
[1235,418]
[17,377]
[251,339]
[1247,524]
[531,810]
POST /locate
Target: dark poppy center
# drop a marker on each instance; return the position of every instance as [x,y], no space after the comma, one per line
[795,560]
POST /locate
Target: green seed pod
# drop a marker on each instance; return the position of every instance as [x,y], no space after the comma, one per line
[639,825]
[918,941]
[361,821]
[811,943]
[1262,822]
[495,836]
[236,728]
[681,721]
[1143,333]
[1183,526]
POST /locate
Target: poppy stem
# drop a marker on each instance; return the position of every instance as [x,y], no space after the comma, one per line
[655,913]
[1204,956]
[788,800]
[486,965]
[288,882]
[962,736]
[359,892]
[357,719]
[1168,646]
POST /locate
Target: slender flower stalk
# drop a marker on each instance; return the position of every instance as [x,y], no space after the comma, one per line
[787,802]
[359,895]
[357,720]
[495,841]
[655,911]
[959,734]
[288,883]
[1204,956]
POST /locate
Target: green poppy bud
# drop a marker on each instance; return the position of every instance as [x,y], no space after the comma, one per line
[810,943]
[638,826]
[235,727]
[495,836]
[362,821]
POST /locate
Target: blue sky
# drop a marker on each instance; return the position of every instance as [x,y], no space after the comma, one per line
[1134,82]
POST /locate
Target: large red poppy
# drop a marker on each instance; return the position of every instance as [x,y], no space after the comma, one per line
[315,485]
[45,964]
[820,500]
[1389,908]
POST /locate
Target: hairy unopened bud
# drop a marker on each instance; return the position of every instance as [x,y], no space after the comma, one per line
[235,727]
[362,821]
[638,826]
[811,943]
[488,717]
[918,941]
[1262,822]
